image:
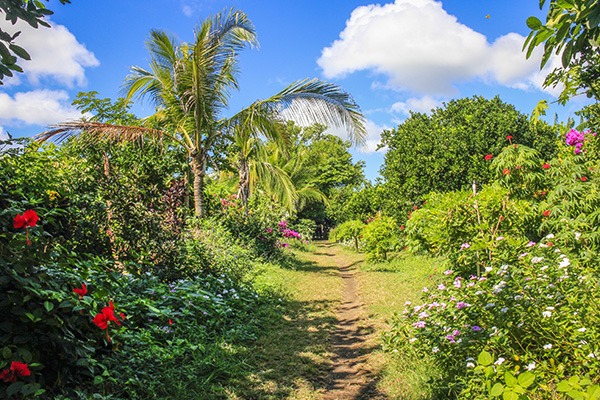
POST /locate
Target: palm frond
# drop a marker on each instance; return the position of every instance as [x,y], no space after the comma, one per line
[315,101]
[95,132]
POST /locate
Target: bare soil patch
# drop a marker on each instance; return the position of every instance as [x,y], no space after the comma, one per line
[351,377]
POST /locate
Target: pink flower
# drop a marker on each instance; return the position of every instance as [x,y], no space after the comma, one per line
[465,246]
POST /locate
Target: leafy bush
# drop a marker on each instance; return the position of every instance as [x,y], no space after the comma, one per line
[471,230]
[349,233]
[537,314]
[379,238]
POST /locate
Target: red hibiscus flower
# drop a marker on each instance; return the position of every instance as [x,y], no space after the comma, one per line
[518,167]
[509,137]
[584,179]
[16,369]
[81,292]
[546,213]
[28,219]
[506,171]
[170,322]
[489,157]
[546,166]
[107,315]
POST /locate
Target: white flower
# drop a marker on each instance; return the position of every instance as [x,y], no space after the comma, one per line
[547,314]
[591,355]
[499,361]
[408,303]
[577,235]
[435,349]
[582,329]
[536,260]
[545,267]
[504,309]
[470,365]
[550,236]
[548,346]
[530,366]
[549,308]
[425,290]
[565,262]
[412,340]
[488,269]
[500,238]
[478,292]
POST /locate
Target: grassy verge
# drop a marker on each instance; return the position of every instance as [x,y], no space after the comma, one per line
[385,287]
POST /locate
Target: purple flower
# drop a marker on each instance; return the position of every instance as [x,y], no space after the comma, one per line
[465,246]
[450,338]
[419,324]
[462,304]
[476,328]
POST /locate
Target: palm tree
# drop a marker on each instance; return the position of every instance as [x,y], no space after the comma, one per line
[191,82]
[304,102]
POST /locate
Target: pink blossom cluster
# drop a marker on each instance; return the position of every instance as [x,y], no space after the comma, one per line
[577,139]
[288,233]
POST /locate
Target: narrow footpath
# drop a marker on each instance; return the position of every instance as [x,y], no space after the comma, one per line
[350,377]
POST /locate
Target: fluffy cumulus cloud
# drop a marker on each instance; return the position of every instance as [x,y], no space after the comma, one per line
[3,134]
[423,49]
[423,105]
[55,54]
[37,107]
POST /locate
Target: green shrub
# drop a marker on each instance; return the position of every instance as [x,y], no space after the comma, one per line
[379,237]
[349,233]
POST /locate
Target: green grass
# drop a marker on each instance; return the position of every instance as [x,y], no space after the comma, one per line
[290,360]
[385,287]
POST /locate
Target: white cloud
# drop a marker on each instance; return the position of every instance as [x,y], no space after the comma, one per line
[423,105]
[373,135]
[55,53]
[3,134]
[423,49]
[38,107]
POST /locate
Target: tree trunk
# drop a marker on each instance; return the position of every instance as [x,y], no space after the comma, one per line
[244,183]
[198,165]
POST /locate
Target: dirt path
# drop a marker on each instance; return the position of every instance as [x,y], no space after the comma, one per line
[350,377]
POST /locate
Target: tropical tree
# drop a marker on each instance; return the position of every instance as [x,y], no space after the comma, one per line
[191,82]
[572,30]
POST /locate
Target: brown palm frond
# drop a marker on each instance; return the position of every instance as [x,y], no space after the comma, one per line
[95,132]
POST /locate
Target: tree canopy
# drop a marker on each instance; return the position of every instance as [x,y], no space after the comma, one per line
[446,150]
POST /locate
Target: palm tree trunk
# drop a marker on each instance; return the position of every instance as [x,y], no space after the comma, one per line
[198,165]
[244,183]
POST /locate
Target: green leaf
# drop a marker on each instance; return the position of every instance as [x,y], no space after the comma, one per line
[526,379]
[14,388]
[534,23]
[48,305]
[30,388]
[563,386]
[25,354]
[510,395]
[6,353]
[485,358]
[593,392]
[18,50]
[98,380]
[497,389]
[510,379]
[575,394]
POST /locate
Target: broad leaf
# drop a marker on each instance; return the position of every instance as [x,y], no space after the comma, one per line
[497,390]
[510,379]
[485,358]
[510,395]
[534,23]
[526,379]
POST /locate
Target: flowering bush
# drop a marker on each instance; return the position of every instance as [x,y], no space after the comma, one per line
[538,313]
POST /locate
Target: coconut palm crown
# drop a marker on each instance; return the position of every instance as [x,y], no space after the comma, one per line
[191,83]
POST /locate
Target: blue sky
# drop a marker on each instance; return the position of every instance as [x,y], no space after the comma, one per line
[392,57]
